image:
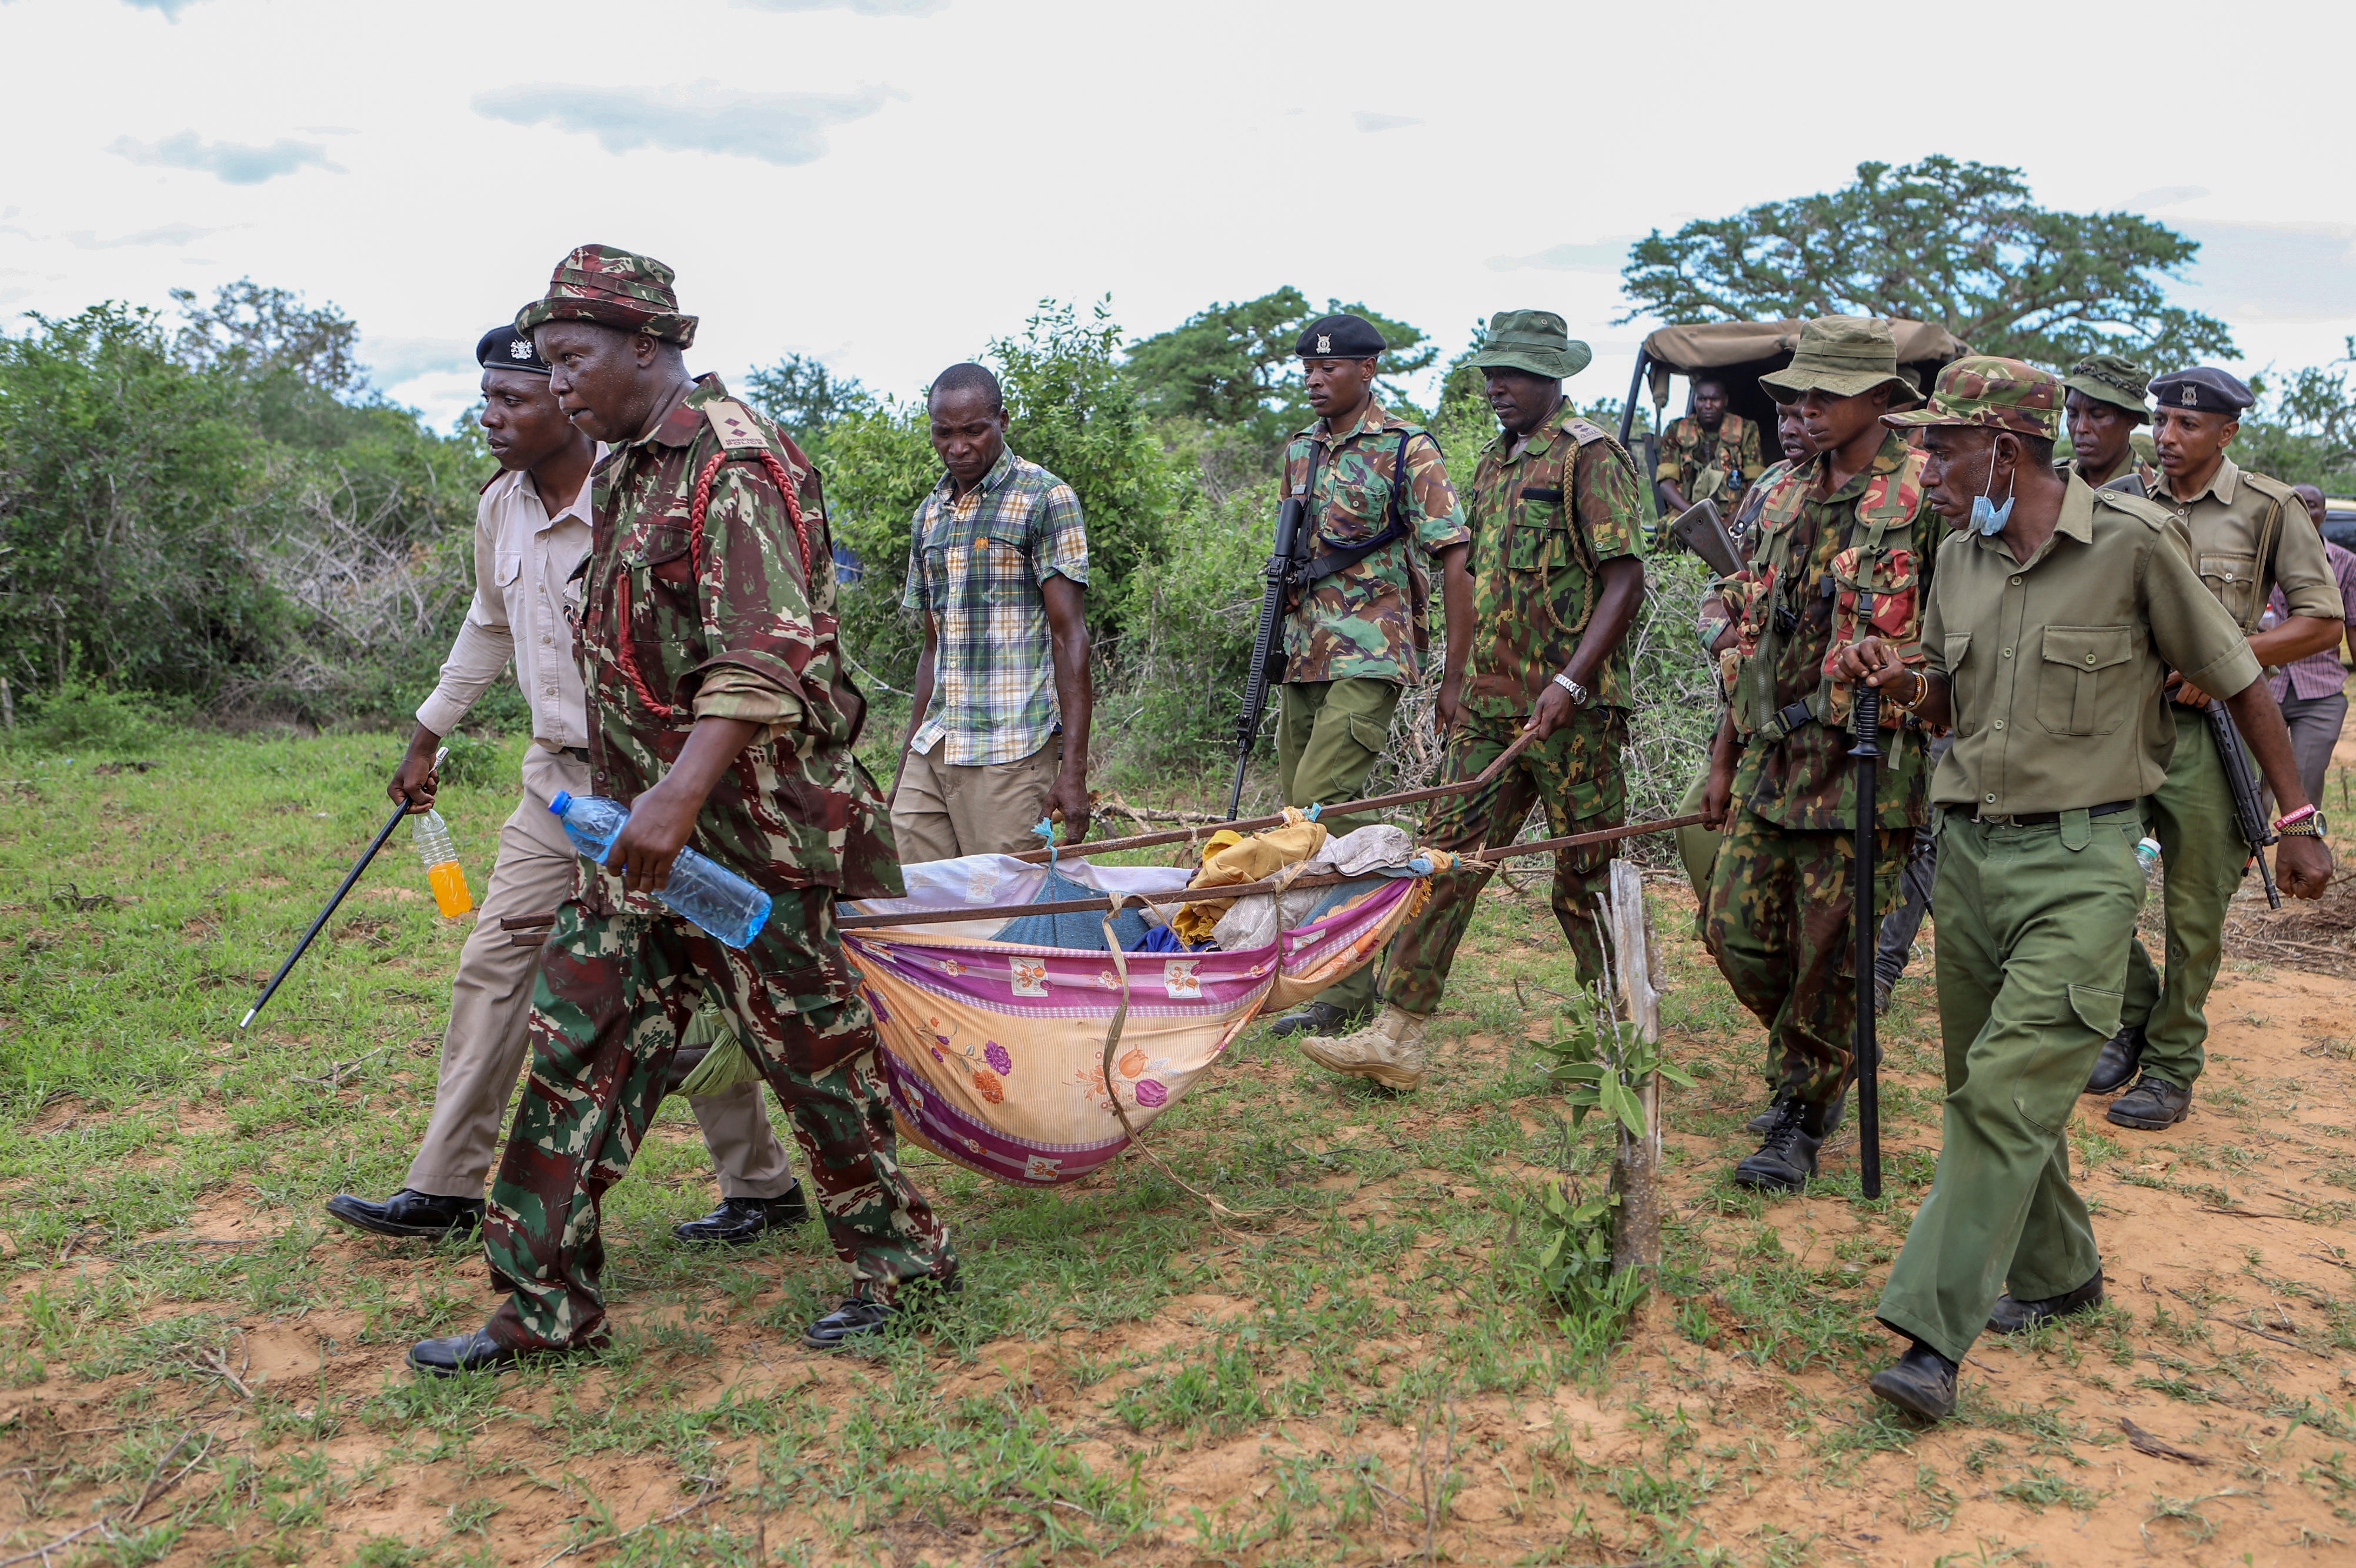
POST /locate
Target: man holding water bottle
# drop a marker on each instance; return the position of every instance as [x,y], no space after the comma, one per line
[719,707]
[531,529]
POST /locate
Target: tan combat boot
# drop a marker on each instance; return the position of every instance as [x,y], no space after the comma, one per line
[1389,1050]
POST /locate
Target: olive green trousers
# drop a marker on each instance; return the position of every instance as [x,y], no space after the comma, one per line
[2193,818]
[1328,736]
[2033,929]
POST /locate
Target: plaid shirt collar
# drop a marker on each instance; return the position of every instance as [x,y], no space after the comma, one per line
[999,472]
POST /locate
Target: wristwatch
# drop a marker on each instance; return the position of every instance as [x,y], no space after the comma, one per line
[2310,826]
[1578,692]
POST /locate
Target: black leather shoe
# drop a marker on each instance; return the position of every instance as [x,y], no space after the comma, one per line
[1921,1383]
[2011,1316]
[408,1213]
[1765,1120]
[2121,1055]
[741,1219]
[475,1352]
[1788,1157]
[2153,1105]
[855,1318]
[1314,1018]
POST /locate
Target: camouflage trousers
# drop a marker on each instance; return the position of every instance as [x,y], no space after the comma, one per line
[615,992]
[1779,927]
[1576,773]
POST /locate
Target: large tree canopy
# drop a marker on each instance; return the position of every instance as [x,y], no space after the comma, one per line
[1233,365]
[1959,243]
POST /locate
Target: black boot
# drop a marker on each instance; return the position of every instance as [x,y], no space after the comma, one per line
[741,1219]
[477,1352]
[1765,1120]
[1788,1157]
[1921,1383]
[2121,1055]
[2152,1105]
[1314,1018]
[2010,1316]
[408,1213]
[859,1318]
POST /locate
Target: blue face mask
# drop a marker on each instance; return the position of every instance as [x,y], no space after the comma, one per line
[1987,518]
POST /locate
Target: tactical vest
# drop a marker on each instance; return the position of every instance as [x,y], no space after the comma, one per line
[1710,480]
[1867,582]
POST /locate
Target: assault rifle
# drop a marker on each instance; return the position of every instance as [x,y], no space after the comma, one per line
[1700,529]
[1283,571]
[2249,811]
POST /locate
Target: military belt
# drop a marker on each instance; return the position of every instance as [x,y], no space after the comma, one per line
[2049,819]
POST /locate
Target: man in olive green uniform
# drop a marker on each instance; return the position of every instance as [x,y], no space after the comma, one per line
[1557,576]
[1849,521]
[2104,407]
[2053,616]
[1709,455]
[2249,533]
[1380,512]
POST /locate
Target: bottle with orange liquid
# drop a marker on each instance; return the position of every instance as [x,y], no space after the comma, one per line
[430,834]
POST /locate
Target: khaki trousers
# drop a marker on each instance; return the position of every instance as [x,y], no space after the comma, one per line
[1329,735]
[490,1005]
[941,810]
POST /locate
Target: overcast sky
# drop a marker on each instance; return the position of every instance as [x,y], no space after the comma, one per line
[888,184]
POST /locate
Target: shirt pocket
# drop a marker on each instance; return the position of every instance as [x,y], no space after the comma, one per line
[2234,579]
[506,568]
[1001,565]
[2085,680]
[1357,507]
[661,576]
[1540,541]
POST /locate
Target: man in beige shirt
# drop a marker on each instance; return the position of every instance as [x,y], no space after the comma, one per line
[524,555]
[2053,616]
[2249,533]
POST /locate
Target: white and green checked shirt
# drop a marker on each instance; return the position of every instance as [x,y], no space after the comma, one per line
[975,565]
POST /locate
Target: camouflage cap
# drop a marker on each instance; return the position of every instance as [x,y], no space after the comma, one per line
[1536,341]
[612,288]
[1842,355]
[1993,393]
[2109,377]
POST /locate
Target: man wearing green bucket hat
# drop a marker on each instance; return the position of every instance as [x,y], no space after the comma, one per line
[1849,523]
[2105,405]
[1558,572]
[2053,617]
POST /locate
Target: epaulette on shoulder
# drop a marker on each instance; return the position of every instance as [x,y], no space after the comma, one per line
[737,428]
[1585,431]
[2141,508]
[2268,486]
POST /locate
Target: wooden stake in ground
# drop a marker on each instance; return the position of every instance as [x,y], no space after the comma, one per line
[1636,1162]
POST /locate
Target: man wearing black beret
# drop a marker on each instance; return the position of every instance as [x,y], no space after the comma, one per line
[2250,534]
[531,529]
[1381,514]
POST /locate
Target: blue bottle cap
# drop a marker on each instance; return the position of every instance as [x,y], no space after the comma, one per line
[563,799]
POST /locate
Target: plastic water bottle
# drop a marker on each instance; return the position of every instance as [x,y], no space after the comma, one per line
[700,888]
[2147,852]
[430,834]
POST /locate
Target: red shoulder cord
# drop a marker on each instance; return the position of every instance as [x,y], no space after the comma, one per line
[700,504]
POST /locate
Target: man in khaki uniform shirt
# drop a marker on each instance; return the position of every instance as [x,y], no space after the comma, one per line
[523,556]
[2249,533]
[2053,617]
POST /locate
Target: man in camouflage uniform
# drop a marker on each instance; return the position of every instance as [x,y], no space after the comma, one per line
[717,704]
[1709,454]
[2106,406]
[1557,578]
[1379,503]
[1850,518]
[2250,532]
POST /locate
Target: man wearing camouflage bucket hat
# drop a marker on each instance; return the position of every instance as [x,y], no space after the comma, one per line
[2250,534]
[2054,614]
[1850,518]
[2105,405]
[1557,574]
[719,704]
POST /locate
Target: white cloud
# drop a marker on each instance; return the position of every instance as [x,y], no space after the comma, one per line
[2285,272]
[2164,196]
[234,163]
[171,8]
[1602,256]
[863,8]
[391,361]
[169,234]
[1372,122]
[776,127]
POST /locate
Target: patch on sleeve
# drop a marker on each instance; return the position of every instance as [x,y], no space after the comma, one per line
[734,423]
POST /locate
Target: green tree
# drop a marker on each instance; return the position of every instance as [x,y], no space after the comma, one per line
[2303,431]
[1233,365]
[801,394]
[1959,243]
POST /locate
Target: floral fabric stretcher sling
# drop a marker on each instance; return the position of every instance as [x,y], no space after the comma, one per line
[994,1039]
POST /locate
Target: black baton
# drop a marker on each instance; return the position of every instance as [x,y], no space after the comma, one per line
[1867,752]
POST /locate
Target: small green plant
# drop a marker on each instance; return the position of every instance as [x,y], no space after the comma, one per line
[1605,1064]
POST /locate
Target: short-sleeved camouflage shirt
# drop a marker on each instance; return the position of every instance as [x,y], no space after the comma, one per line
[1537,544]
[674,627]
[1688,451]
[1367,620]
[1809,561]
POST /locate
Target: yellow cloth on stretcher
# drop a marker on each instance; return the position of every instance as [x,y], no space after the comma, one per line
[1242,860]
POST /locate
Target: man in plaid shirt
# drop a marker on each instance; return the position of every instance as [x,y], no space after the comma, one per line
[997,566]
